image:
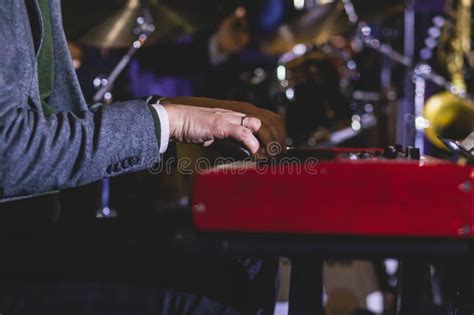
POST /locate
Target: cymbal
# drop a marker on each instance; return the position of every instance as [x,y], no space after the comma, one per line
[319,24]
[302,29]
[115,27]
[117,30]
[80,16]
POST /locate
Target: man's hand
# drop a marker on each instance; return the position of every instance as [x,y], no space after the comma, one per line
[272,128]
[199,125]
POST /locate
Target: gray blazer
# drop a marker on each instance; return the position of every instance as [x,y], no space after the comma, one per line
[75,146]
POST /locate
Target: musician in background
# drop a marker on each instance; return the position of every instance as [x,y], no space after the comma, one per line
[51,140]
[207,63]
[198,54]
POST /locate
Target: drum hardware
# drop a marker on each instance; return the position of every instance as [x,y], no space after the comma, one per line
[365,35]
[338,137]
[120,29]
[288,79]
[350,12]
[313,92]
[453,109]
[304,28]
[422,124]
[363,119]
[131,25]
[255,77]
[422,72]
[299,67]
[433,38]
[172,18]
[322,21]
[367,96]
[143,28]
[349,72]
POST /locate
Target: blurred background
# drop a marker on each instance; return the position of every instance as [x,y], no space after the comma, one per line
[341,73]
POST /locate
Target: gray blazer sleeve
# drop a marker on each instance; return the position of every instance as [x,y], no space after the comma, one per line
[40,154]
[73,147]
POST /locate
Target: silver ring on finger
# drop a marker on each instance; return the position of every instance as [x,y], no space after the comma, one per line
[242,121]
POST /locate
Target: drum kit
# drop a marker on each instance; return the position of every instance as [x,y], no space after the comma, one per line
[322,83]
[332,78]
[315,84]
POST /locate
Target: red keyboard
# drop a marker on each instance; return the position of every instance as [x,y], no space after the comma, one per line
[360,192]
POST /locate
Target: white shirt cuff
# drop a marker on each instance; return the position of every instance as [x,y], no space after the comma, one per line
[215,56]
[165,126]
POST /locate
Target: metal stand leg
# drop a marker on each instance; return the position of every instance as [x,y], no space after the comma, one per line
[306,286]
[413,297]
[457,285]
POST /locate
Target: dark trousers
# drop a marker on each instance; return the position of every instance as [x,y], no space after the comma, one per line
[169,286]
[120,282]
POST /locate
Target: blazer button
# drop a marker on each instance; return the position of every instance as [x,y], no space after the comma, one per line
[134,160]
[125,164]
[110,169]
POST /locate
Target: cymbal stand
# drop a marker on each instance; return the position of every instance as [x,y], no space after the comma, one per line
[364,33]
[144,27]
[411,296]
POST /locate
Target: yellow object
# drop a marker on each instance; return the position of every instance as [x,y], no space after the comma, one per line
[449,116]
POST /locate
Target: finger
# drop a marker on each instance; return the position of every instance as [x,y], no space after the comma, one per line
[208,143]
[242,135]
[252,123]
[232,113]
[274,122]
[216,110]
[221,111]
